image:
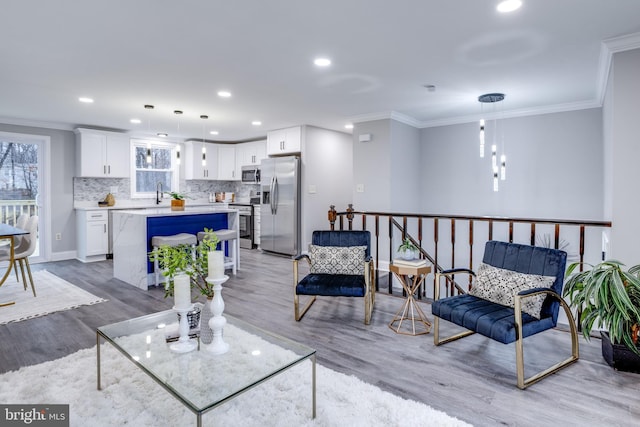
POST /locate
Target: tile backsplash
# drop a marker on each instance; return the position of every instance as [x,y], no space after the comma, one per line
[94,189]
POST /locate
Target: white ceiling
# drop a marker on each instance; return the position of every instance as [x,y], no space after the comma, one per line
[548,56]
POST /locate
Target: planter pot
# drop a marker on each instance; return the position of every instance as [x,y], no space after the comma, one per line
[177,205]
[619,356]
[408,255]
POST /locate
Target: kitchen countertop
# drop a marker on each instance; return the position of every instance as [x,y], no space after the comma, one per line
[189,210]
[127,205]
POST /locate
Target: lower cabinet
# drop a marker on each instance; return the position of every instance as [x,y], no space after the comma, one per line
[92,234]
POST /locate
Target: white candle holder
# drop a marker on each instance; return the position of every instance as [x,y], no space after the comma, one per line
[183,345]
[217,322]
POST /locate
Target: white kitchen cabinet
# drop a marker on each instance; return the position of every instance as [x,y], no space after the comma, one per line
[201,164]
[92,234]
[227,163]
[252,153]
[102,154]
[284,141]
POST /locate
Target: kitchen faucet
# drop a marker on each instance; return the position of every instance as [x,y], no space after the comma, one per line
[159,194]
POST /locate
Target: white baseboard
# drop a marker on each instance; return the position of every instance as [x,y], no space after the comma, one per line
[62,256]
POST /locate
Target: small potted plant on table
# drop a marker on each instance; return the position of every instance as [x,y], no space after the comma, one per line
[609,297]
[407,249]
[177,200]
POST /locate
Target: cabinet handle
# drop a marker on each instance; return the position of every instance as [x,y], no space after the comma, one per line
[104,169]
[109,169]
[105,228]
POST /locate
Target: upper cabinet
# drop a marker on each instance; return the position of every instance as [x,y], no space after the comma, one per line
[284,141]
[201,160]
[227,163]
[102,154]
[251,153]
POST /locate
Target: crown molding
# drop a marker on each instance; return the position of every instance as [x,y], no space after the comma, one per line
[608,48]
[36,123]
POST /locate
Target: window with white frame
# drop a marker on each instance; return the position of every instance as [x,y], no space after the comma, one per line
[153,162]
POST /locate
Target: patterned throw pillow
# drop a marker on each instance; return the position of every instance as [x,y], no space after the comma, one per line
[501,286]
[337,259]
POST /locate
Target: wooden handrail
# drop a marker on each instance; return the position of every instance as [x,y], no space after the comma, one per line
[403,226]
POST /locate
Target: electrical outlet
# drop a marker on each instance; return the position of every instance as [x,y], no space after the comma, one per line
[360,188]
[114,189]
[58,236]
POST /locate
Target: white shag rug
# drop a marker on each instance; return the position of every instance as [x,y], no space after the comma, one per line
[53,294]
[131,397]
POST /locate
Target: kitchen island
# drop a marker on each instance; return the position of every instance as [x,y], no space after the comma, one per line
[133,230]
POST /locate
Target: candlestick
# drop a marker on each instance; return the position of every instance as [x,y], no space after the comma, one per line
[215,264]
[183,345]
[182,291]
[217,322]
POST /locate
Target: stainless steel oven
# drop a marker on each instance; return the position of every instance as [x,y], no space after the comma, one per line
[245,216]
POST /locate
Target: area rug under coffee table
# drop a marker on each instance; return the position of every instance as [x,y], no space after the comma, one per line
[53,294]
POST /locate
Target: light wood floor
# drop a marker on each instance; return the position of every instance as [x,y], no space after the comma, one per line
[472,379]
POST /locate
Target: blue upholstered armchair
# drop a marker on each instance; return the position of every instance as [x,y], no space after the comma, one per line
[340,265]
[516,294]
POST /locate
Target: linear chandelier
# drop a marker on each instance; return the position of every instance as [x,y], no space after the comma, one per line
[499,173]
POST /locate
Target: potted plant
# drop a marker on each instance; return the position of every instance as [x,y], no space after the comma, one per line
[174,260]
[407,249]
[609,297]
[177,200]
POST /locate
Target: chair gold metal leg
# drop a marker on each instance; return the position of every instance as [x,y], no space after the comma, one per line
[298,312]
[575,351]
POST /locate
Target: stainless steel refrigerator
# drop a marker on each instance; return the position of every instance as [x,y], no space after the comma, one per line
[280,207]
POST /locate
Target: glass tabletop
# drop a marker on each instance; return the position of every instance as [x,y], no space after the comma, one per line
[200,379]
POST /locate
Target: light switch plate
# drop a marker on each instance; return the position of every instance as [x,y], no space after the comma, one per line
[360,188]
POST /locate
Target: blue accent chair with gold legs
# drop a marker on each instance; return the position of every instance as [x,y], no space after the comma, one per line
[511,274]
[340,266]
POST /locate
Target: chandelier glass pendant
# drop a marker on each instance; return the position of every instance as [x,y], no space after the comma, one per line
[148,107]
[178,113]
[204,149]
[499,171]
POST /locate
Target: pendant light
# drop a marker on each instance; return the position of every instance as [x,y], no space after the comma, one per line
[178,113]
[204,149]
[499,170]
[148,107]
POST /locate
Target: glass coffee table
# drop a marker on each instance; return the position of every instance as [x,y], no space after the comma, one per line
[200,380]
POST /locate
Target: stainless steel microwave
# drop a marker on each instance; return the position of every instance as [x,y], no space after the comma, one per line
[251,174]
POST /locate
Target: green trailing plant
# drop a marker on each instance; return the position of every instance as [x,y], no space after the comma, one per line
[609,297]
[407,246]
[173,260]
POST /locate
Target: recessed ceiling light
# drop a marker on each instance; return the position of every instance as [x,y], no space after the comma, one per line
[322,62]
[163,135]
[224,94]
[509,6]
[214,132]
[256,122]
[348,126]
[136,121]
[85,100]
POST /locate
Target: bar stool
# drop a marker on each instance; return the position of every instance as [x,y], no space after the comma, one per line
[225,236]
[174,240]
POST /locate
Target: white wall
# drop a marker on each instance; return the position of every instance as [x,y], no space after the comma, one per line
[326,169]
[623,145]
[554,168]
[406,168]
[372,166]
